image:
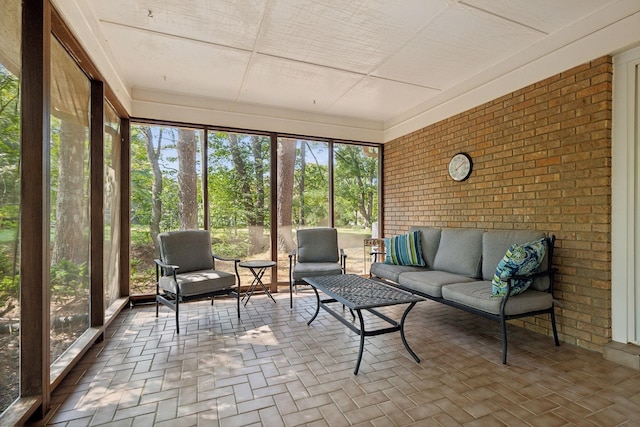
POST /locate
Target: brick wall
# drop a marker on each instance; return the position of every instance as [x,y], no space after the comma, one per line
[541,160]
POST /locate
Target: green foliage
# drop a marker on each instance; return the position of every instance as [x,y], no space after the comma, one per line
[69,279]
[356,195]
[9,279]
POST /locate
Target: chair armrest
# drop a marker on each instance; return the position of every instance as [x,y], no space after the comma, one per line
[221,258]
[167,269]
[343,261]
[165,265]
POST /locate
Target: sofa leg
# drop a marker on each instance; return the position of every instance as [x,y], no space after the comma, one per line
[553,327]
[503,325]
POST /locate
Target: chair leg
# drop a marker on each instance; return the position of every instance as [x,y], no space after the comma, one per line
[290,294]
[177,316]
[238,300]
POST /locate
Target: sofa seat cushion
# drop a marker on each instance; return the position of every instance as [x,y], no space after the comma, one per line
[198,282]
[478,295]
[430,282]
[391,271]
[308,269]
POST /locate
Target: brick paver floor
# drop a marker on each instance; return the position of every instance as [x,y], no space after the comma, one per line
[271,369]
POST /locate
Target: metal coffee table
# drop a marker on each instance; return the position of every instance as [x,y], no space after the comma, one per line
[357,294]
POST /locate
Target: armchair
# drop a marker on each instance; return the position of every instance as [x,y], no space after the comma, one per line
[317,255]
[186,271]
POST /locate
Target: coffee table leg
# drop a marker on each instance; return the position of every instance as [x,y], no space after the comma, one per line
[362,334]
[404,340]
[317,305]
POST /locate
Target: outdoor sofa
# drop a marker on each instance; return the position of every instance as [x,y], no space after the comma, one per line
[460,268]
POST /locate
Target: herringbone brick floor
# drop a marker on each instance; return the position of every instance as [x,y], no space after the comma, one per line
[271,369]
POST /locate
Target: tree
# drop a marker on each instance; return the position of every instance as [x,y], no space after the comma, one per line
[358,178]
[153,154]
[286,157]
[187,179]
[71,202]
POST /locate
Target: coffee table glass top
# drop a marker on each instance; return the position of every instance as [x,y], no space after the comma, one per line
[357,293]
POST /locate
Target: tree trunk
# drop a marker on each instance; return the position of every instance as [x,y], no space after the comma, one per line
[70,242]
[284,206]
[187,179]
[303,171]
[153,154]
[256,230]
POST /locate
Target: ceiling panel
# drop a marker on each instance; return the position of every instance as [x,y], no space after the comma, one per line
[379,99]
[228,23]
[376,60]
[440,58]
[164,63]
[291,84]
[351,35]
[545,15]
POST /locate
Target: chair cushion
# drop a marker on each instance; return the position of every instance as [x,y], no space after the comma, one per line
[309,269]
[189,249]
[199,282]
[478,295]
[460,251]
[317,245]
[404,249]
[519,260]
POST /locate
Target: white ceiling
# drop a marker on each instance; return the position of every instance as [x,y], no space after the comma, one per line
[372,62]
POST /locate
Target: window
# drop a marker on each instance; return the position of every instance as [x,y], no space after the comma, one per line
[303,196]
[111,246]
[355,200]
[239,196]
[166,193]
[238,177]
[9,202]
[69,200]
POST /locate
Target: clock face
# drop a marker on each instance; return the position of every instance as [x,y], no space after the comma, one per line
[460,167]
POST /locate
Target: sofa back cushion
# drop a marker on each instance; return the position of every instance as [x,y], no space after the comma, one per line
[430,240]
[495,244]
[460,252]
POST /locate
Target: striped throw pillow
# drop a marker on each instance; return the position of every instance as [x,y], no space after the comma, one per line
[404,249]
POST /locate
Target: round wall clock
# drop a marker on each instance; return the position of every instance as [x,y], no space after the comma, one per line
[460,166]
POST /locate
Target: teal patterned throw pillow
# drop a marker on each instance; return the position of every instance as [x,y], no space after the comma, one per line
[404,250]
[518,261]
